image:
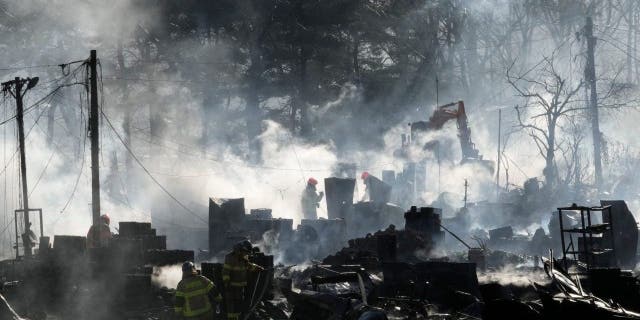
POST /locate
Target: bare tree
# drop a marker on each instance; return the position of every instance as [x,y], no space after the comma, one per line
[573,158]
[549,97]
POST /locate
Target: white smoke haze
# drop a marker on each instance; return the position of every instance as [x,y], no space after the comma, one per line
[167,276]
[193,173]
[512,275]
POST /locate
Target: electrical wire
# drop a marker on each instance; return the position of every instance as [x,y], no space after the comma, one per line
[25,136]
[84,152]
[115,78]
[137,160]
[41,174]
[37,103]
[29,67]
[230,163]
[75,185]
[632,56]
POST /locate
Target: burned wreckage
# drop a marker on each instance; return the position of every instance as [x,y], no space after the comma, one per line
[390,273]
[368,260]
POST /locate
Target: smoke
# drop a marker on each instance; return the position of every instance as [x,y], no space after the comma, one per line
[170,113]
[514,275]
[167,276]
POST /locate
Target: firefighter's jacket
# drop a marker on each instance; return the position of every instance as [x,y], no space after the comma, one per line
[194,296]
[309,201]
[236,266]
[99,236]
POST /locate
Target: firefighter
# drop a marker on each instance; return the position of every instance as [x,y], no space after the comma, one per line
[367,188]
[234,276]
[196,295]
[99,234]
[29,237]
[310,200]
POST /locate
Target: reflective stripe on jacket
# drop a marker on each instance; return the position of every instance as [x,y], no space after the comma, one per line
[234,271]
[192,296]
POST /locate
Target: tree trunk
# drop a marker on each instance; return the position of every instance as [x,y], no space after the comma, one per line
[207,118]
[126,124]
[253,120]
[550,168]
[253,116]
[305,122]
[629,43]
[355,61]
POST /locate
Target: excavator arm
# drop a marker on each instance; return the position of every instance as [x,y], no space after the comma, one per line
[440,117]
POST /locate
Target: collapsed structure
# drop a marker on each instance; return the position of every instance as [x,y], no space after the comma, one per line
[368,260]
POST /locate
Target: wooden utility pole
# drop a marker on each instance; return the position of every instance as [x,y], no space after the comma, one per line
[18,94]
[590,75]
[94,133]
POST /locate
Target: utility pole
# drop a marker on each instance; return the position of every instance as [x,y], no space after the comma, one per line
[94,126]
[590,75]
[18,94]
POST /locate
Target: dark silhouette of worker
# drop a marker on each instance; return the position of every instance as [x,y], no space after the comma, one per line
[375,189]
[311,200]
[99,235]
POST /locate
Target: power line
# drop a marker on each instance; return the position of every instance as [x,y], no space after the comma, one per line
[632,56]
[26,110]
[29,67]
[133,155]
[75,185]
[231,163]
[199,155]
[35,185]
[113,78]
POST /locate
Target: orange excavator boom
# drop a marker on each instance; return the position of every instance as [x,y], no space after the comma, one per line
[440,117]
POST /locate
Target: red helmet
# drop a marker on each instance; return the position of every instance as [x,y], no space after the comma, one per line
[312,181]
[105,218]
[364,175]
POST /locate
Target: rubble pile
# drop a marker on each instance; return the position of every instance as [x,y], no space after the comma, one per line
[382,272]
[391,273]
[68,279]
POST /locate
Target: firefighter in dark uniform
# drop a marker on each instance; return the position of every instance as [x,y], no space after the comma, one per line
[196,295]
[234,275]
[99,235]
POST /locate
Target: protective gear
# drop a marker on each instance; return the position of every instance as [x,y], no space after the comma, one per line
[234,277]
[312,181]
[364,175]
[310,201]
[99,235]
[188,267]
[195,297]
[243,246]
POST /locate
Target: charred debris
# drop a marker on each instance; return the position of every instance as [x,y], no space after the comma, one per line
[368,260]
